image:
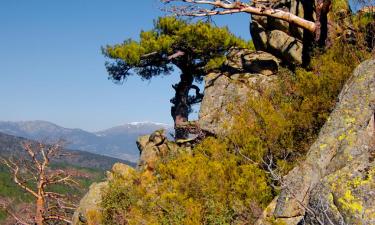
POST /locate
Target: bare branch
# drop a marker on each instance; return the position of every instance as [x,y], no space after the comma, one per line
[59,218]
[230,7]
[19,220]
[49,205]
[276,176]
[176,55]
[15,170]
[28,148]
[5,206]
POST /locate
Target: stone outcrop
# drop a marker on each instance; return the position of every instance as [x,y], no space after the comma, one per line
[89,209]
[279,37]
[89,206]
[249,73]
[152,148]
[248,61]
[335,184]
[224,93]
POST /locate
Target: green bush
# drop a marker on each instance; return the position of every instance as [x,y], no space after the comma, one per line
[208,187]
[285,119]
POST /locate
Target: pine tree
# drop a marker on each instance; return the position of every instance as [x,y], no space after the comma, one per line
[193,48]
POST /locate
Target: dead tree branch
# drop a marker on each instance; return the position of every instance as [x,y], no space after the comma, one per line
[230,7]
[49,205]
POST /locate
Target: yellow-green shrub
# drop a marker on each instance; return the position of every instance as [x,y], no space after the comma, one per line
[208,187]
[285,119]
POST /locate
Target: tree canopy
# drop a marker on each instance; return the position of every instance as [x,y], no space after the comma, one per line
[194,48]
[201,44]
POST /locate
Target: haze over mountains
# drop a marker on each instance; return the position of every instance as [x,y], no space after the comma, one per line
[12,146]
[118,142]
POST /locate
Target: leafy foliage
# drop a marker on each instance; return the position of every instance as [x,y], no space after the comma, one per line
[8,189]
[365,23]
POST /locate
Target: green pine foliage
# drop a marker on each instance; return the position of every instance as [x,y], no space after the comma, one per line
[203,44]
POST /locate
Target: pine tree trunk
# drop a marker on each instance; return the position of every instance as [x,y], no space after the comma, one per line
[181,107]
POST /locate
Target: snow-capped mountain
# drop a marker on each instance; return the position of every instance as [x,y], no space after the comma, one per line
[116,142]
[134,127]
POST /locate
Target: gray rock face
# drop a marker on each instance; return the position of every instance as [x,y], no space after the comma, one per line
[223,92]
[276,36]
[248,61]
[286,46]
[89,210]
[335,184]
[89,205]
[152,148]
[249,72]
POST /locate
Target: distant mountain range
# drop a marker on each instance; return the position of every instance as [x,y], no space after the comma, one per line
[118,142]
[11,146]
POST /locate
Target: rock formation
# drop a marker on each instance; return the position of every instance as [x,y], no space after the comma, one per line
[292,44]
[248,73]
[335,184]
[89,207]
[152,148]
[279,37]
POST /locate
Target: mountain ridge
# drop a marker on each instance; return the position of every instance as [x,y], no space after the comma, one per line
[11,145]
[118,141]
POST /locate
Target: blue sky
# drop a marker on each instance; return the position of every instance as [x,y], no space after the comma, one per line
[51,67]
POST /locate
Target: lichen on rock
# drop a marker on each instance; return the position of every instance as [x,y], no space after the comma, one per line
[335,183]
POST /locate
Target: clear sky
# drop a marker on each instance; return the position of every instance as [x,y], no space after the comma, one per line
[51,67]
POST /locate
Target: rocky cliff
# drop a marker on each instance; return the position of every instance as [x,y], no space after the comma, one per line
[335,184]
[246,73]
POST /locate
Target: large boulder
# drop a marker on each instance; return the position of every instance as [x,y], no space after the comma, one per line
[245,72]
[89,210]
[293,44]
[285,46]
[249,61]
[335,183]
[279,37]
[152,148]
[225,92]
